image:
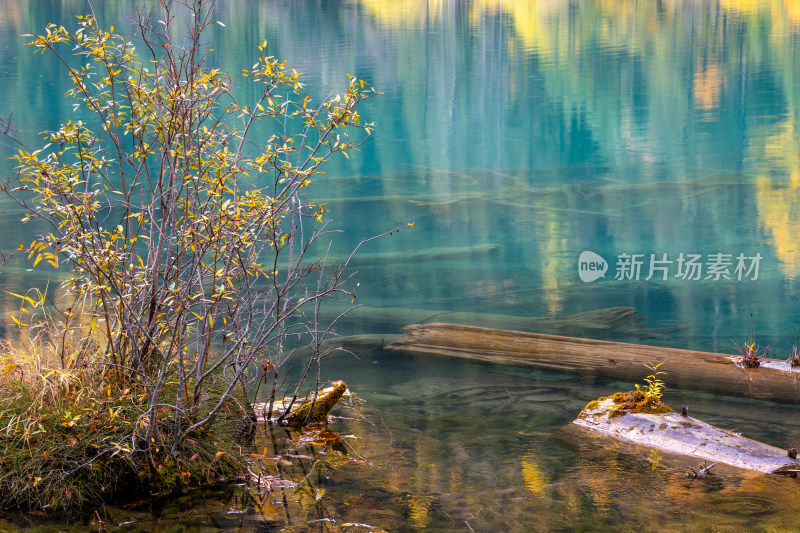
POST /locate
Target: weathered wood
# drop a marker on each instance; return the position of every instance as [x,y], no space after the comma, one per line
[315,410]
[685,369]
[684,435]
[309,411]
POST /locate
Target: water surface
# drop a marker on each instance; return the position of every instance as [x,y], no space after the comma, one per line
[530,131]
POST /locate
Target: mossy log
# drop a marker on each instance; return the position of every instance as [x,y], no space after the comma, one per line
[315,411]
[685,369]
[318,405]
[683,435]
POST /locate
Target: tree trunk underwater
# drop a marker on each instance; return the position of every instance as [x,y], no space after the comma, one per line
[685,369]
[610,323]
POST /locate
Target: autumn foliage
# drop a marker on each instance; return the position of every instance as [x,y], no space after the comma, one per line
[187,250]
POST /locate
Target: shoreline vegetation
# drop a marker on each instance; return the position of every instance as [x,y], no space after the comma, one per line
[191,283]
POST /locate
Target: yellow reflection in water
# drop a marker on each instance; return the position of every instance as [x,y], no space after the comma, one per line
[400,13]
[778,198]
[419,510]
[531,22]
[708,84]
[744,5]
[791,8]
[553,240]
[781,10]
[535,480]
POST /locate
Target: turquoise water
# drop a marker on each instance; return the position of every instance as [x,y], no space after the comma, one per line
[530,132]
[536,131]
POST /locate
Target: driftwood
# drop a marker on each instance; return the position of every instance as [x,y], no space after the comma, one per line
[308,411]
[685,369]
[684,435]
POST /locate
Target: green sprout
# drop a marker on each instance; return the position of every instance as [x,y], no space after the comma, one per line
[655,387]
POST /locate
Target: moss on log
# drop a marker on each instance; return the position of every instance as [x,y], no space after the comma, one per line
[686,369]
[315,411]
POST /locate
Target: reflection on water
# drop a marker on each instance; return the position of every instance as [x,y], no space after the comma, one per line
[540,128]
[487,446]
[517,134]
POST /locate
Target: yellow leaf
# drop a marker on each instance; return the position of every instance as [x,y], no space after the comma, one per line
[26,298]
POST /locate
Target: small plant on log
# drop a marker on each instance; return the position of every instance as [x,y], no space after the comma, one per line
[643,401]
[751,355]
[655,386]
[794,357]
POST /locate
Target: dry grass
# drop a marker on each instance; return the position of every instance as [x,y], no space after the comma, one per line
[69,426]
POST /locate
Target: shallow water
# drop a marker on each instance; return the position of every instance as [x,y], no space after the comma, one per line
[517,135]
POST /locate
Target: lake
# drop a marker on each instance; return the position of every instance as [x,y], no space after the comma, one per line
[555,157]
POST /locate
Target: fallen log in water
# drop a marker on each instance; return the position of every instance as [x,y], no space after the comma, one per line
[684,435]
[430,254]
[300,412]
[685,369]
[612,322]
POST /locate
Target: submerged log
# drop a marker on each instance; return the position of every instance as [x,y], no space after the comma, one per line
[685,369]
[430,254]
[684,435]
[612,322]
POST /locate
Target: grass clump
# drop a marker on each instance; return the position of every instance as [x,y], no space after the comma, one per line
[71,431]
[794,356]
[751,355]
